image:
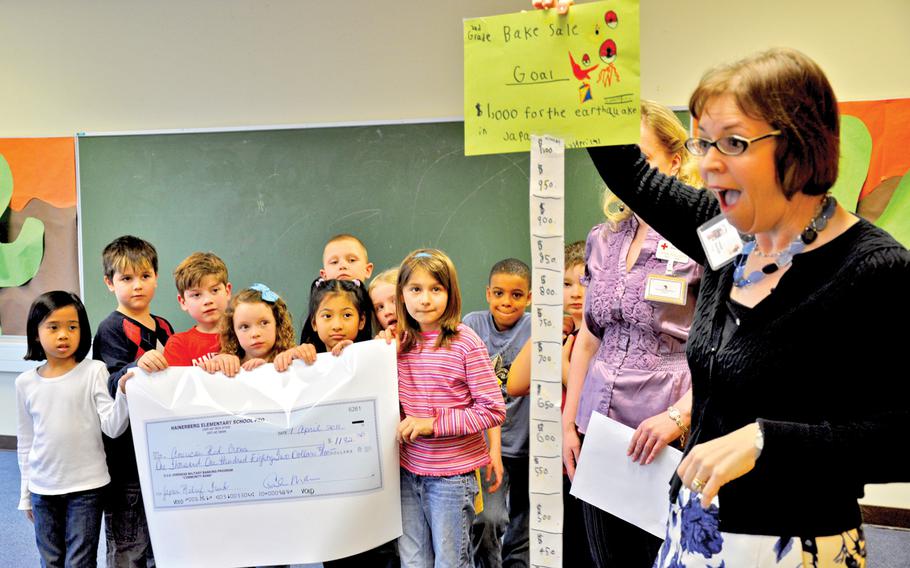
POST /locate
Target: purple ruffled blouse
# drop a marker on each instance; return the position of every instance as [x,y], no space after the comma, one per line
[640,368]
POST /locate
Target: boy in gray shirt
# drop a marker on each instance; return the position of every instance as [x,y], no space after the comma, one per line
[500,532]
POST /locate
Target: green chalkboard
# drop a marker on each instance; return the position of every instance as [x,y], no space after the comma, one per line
[266,202]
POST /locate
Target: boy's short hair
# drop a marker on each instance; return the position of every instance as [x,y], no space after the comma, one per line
[347,237]
[128,252]
[190,272]
[514,267]
[575,254]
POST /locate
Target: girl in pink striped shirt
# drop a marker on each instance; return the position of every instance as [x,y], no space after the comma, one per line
[449,396]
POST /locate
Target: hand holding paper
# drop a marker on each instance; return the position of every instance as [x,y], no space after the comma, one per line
[224,363]
[562,6]
[122,382]
[609,480]
[152,361]
[305,352]
[651,437]
[253,363]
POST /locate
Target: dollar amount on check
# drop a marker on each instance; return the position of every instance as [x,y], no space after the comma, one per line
[327,449]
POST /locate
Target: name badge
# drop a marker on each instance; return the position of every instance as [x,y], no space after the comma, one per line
[666,251]
[666,289]
[720,240]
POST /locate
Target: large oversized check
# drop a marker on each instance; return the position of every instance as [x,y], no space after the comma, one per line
[268,467]
[218,459]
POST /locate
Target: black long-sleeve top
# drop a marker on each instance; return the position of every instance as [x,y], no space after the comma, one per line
[819,363]
[119,342]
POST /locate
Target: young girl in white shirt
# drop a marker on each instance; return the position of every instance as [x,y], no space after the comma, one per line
[63,406]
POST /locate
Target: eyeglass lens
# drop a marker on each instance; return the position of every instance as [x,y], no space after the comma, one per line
[730,145]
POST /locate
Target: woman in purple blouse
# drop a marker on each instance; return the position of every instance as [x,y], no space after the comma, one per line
[629,358]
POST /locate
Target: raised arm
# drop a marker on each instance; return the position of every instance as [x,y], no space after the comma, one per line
[672,208]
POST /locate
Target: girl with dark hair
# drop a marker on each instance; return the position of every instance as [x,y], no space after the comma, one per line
[338,311]
[63,406]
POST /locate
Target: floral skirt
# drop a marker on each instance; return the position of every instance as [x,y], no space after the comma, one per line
[694,540]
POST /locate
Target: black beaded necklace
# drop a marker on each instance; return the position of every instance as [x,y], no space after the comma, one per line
[785,257]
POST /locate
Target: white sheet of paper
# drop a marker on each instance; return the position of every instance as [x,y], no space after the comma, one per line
[547,181]
[608,479]
[268,467]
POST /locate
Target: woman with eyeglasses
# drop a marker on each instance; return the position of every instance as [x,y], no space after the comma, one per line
[798,396]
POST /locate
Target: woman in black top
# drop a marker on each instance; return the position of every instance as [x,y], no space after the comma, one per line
[799,398]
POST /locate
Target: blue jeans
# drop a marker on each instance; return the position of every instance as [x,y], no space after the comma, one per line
[436,516]
[490,525]
[128,542]
[67,528]
[500,534]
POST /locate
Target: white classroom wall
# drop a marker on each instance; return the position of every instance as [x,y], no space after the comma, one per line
[106,65]
[98,65]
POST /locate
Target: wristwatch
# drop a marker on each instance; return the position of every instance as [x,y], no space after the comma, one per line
[676,416]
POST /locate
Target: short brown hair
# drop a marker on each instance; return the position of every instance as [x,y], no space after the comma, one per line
[190,272]
[439,266]
[128,252]
[790,92]
[348,237]
[575,254]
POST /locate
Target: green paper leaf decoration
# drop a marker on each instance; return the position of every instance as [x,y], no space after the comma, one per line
[896,217]
[855,154]
[20,259]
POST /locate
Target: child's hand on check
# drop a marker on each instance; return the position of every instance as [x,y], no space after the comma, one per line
[223,362]
[253,363]
[305,352]
[152,361]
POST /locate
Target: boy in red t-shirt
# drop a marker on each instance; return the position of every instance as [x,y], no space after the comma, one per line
[203,291]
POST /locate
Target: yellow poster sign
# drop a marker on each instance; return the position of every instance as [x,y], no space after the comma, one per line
[574,76]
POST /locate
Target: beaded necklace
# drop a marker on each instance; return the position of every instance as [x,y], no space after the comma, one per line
[783,258]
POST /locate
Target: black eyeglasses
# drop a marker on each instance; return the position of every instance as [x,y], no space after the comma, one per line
[732,145]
